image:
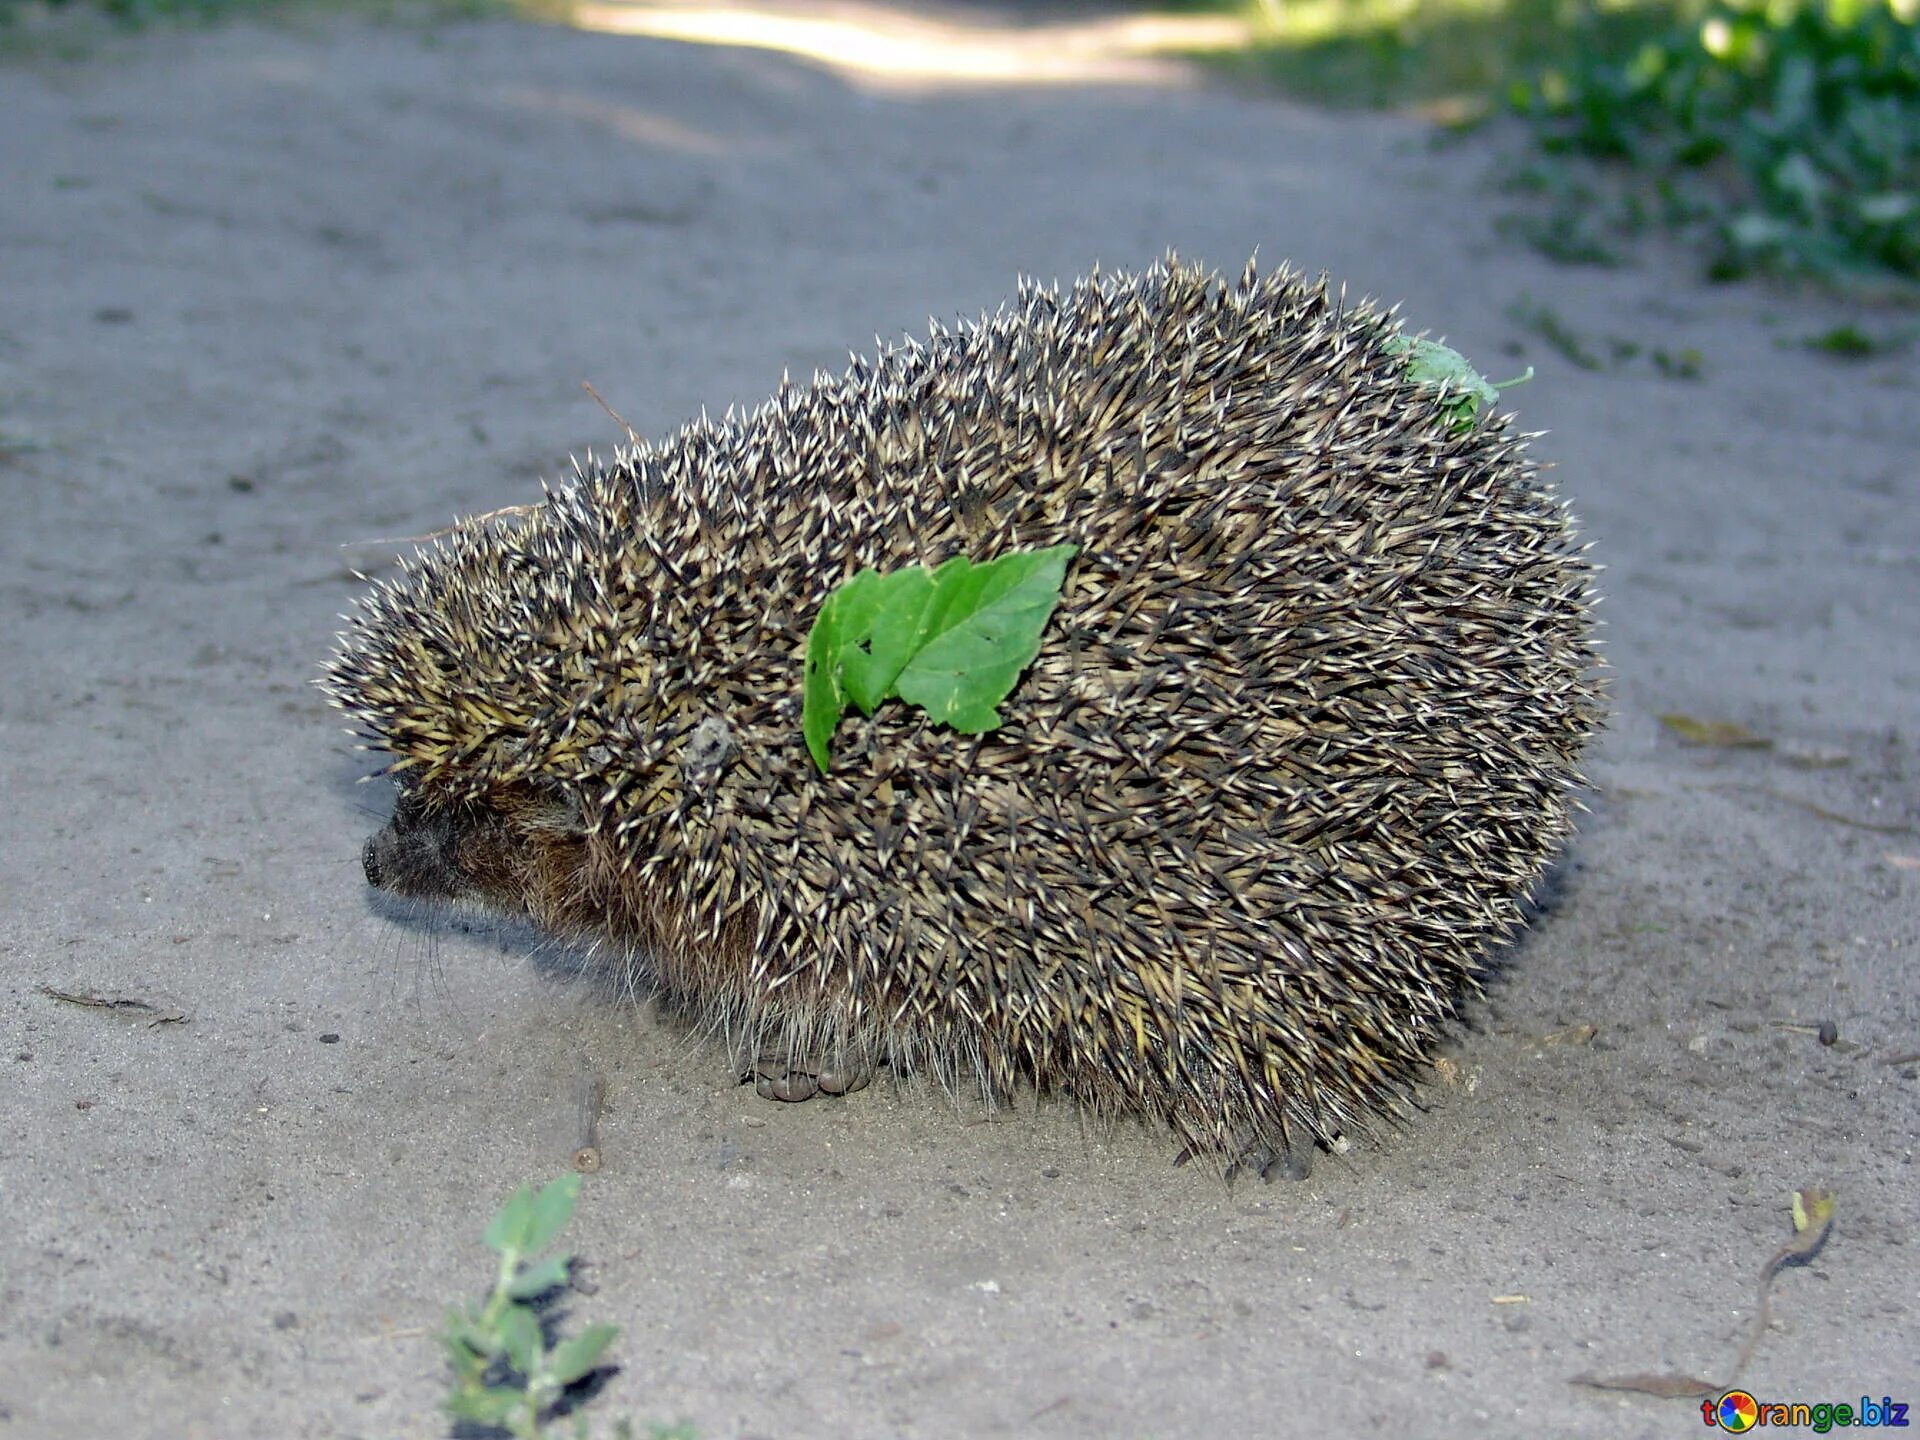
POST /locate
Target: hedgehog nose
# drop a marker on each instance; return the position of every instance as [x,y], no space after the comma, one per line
[370,862]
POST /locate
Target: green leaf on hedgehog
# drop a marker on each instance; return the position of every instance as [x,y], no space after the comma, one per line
[952,641]
[1463,389]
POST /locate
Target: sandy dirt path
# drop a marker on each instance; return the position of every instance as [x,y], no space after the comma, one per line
[265,292]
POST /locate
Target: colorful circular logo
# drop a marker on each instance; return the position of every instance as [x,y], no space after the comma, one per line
[1737,1411]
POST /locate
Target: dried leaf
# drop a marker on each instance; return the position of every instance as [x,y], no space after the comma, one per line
[1813,1208]
[1580,1034]
[1812,757]
[1834,816]
[1724,734]
[1666,1387]
[152,1011]
[1812,1219]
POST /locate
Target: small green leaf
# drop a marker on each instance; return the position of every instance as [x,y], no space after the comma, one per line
[574,1358]
[469,1366]
[824,693]
[953,641]
[882,621]
[549,1274]
[982,630]
[520,1337]
[552,1208]
[465,1339]
[491,1406]
[508,1229]
[1439,367]
[1848,340]
[1462,389]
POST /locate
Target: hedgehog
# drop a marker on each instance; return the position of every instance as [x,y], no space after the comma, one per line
[1302,736]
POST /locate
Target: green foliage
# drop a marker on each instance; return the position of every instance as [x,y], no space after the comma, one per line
[1788,131]
[1785,134]
[506,1374]
[1850,342]
[1457,56]
[952,641]
[1601,352]
[137,14]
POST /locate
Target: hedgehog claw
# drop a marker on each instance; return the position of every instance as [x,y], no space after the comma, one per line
[790,1087]
[1292,1159]
[842,1082]
[793,1081]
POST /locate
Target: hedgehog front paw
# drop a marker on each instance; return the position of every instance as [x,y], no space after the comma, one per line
[777,1077]
[1291,1157]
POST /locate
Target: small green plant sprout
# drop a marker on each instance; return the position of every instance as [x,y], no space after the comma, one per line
[505,1373]
[1462,389]
[952,641]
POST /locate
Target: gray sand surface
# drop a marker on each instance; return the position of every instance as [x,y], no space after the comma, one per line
[264,293]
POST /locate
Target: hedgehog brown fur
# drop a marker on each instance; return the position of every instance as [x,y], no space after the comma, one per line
[1302,734]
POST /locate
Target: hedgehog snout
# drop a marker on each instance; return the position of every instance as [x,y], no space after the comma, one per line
[388,857]
[414,855]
